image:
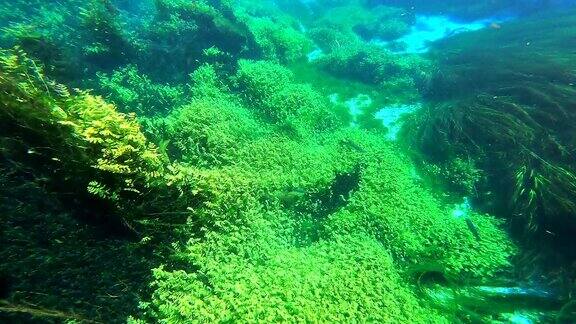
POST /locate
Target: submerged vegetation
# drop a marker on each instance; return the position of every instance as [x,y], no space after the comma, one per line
[512,117]
[202,161]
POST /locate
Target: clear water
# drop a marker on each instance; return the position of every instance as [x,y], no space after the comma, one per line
[388,161]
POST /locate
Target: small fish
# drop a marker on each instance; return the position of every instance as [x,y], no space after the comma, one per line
[291,198]
[495,25]
[473,228]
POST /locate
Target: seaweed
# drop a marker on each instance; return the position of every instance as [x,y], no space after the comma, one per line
[507,105]
[107,46]
[79,142]
[181,31]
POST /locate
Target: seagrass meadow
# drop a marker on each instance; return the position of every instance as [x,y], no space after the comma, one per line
[313,161]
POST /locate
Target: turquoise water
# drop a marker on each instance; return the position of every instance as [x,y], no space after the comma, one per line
[322,161]
[428,29]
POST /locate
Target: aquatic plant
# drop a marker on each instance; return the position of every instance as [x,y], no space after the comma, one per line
[280,261]
[84,140]
[258,200]
[206,82]
[107,45]
[379,22]
[507,106]
[278,41]
[103,38]
[270,89]
[63,251]
[205,131]
[41,35]
[134,92]
[319,283]
[399,77]
[327,38]
[460,176]
[278,36]
[181,31]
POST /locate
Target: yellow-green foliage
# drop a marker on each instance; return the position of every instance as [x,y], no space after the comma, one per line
[204,131]
[210,128]
[278,36]
[134,92]
[392,207]
[88,139]
[258,260]
[278,41]
[206,83]
[259,80]
[119,146]
[270,89]
[346,279]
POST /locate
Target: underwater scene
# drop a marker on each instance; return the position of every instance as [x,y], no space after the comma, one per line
[285,161]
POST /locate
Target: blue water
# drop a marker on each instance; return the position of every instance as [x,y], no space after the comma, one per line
[428,29]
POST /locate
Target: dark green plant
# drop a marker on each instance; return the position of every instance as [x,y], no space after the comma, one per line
[401,78]
[181,32]
[107,44]
[504,99]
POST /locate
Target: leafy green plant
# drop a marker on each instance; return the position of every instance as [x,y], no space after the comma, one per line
[270,89]
[278,41]
[107,44]
[401,78]
[134,92]
[81,137]
[506,107]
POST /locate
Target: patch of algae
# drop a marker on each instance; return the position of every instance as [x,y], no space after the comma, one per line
[258,258]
